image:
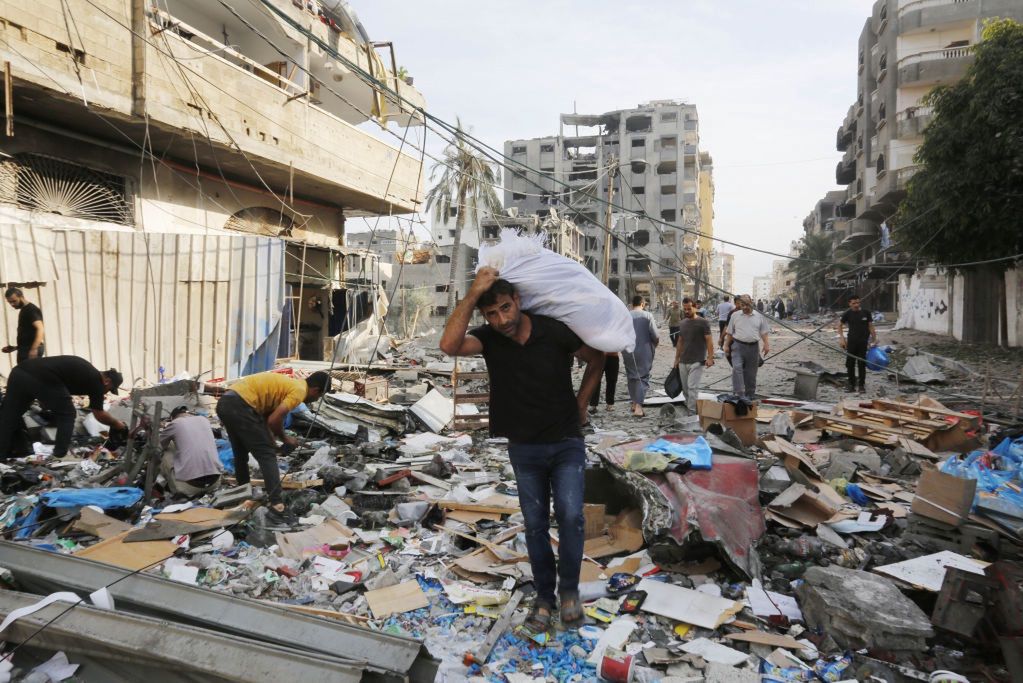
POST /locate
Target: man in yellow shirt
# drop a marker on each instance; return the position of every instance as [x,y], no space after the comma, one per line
[253,411]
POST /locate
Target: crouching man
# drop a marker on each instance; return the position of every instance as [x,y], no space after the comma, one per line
[533,405]
[190,464]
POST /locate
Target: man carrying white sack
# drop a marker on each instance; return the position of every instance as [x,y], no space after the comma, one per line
[532,403]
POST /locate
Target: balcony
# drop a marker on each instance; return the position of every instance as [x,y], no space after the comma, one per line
[858,231]
[845,172]
[188,84]
[903,175]
[912,121]
[843,138]
[935,67]
[919,15]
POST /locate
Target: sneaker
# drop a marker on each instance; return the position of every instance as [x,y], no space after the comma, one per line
[280,521]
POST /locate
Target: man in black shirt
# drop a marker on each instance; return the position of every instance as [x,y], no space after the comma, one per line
[861,333]
[532,403]
[30,326]
[53,381]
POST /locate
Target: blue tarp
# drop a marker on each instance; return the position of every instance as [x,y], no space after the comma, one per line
[226,455]
[698,452]
[104,498]
[992,469]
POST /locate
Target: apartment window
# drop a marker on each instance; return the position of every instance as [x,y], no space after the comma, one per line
[451,233]
[546,148]
[639,190]
[669,143]
[669,116]
[668,189]
[690,198]
[543,213]
[668,238]
[690,124]
[641,238]
[443,258]
[453,211]
[518,196]
[670,215]
[518,149]
[548,169]
[440,288]
[639,142]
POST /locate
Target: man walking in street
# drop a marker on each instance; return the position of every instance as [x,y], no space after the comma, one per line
[861,334]
[253,411]
[639,362]
[29,337]
[191,465]
[747,330]
[724,309]
[693,352]
[533,405]
[53,381]
[674,320]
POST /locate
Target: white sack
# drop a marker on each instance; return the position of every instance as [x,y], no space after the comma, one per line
[558,287]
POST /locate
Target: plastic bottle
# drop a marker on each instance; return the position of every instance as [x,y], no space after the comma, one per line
[804,547]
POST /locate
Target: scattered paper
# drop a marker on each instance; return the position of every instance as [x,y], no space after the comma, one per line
[864,523]
[614,636]
[462,593]
[684,604]
[57,668]
[928,572]
[714,652]
[101,598]
[770,604]
[63,596]
[179,507]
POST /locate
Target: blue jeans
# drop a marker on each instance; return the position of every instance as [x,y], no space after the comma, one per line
[540,470]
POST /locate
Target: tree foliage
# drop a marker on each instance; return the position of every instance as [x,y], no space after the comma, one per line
[966,201]
[463,180]
[810,268]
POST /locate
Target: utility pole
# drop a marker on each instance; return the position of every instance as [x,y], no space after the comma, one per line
[140,29]
[612,171]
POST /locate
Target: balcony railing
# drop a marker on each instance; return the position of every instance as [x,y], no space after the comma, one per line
[936,55]
[903,175]
[915,5]
[913,113]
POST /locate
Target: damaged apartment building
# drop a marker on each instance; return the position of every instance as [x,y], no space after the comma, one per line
[905,50]
[647,162]
[166,195]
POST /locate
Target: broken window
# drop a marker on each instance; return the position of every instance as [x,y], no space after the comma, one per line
[667,167]
[441,288]
[518,196]
[669,116]
[669,189]
[639,142]
[518,149]
[546,148]
[668,238]
[639,190]
[443,258]
[670,215]
[641,238]
[669,143]
[452,211]
[547,169]
[640,123]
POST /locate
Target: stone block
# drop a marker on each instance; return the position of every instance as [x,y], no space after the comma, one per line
[862,610]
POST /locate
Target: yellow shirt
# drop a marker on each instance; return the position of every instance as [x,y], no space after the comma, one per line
[267,390]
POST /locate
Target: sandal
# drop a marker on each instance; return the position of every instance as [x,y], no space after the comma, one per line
[539,622]
[571,610]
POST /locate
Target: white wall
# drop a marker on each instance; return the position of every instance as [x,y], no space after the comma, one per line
[924,303]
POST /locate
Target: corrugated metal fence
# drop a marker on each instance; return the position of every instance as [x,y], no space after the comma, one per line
[206,304]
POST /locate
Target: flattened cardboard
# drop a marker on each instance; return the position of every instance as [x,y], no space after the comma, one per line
[404,597]
[801,505]
[944,497]
[766,638]
[467,517]
[128,555]
[594,520]
[297,545]
[99,525]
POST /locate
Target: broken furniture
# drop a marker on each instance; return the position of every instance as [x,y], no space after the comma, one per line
[462,421]
[885,422]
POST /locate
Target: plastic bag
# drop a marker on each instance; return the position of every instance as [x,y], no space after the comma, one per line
[698,452]
[673,383]
[877,359]
[104,498]
[553,285]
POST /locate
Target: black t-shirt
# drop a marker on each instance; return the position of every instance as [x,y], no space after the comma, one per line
[532,399]
[858,323]
[76,374]
[27,315]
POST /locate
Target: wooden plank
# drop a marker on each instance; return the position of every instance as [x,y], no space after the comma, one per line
[893,419]
[354,619]
[860,425]
[432,481]
[476,507]
[925,411]
[286,483]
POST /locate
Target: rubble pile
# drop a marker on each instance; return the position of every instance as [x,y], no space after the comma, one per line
[783,540]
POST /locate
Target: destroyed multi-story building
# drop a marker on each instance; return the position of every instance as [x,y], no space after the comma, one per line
[647,163]
[906,48]
[722,272]
[177,185]
[559,234]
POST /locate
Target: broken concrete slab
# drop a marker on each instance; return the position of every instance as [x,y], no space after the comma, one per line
[862,610]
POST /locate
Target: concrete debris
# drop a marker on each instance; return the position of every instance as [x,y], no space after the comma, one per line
[754,551]
[862,610]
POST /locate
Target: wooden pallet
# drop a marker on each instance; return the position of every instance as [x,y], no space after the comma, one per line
[926,412]
[861,429]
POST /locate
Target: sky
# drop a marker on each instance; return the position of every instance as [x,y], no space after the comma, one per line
[772,82]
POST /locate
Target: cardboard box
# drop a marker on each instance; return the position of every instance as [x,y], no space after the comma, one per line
[594,520]
[745,427]
[372,388]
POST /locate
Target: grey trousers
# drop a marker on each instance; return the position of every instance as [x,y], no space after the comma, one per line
[691,374]
[637,374]
[745,363]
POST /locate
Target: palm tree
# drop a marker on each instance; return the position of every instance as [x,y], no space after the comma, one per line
[811,267]
[466,182]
